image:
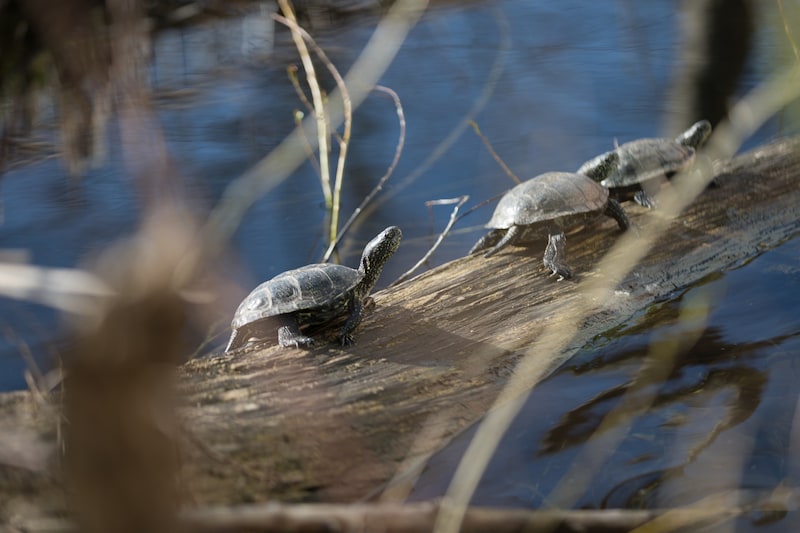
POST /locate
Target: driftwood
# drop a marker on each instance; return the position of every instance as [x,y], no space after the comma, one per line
[336,424]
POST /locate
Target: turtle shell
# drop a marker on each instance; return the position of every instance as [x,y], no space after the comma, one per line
[647,159]
[549,196]
[320,286]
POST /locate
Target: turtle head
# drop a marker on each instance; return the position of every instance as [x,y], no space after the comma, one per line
[695,136]
[376,253]
[600,167]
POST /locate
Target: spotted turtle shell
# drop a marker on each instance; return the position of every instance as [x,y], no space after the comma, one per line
[550,196]
[322,286]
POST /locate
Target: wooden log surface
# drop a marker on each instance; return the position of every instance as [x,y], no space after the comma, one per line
[334,424]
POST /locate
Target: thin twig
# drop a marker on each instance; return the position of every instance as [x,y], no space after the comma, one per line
[401,118]
[459,202]
[496,157]
[298,122]
[481,204]
[493,76]
[291,71]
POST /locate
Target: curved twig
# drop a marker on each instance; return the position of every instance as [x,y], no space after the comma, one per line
[461,200]
[401,118]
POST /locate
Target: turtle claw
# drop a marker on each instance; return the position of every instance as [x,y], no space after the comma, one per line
[288,338]
[644,200]
[554,256]
[346,340]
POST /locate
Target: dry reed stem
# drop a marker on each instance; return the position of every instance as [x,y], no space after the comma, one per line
[278,164]
[344,140]
[319,104]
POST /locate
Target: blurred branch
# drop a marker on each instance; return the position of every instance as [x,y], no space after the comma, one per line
[71,290]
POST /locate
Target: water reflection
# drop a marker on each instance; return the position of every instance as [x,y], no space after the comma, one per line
[623,426]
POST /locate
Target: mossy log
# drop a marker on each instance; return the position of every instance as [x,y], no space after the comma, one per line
[333,424]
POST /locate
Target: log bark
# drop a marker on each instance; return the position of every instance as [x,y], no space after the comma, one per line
[334,424]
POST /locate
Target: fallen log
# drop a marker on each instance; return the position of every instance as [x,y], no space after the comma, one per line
[334,424]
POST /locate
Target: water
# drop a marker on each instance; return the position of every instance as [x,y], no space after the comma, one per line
[550,83]
[721,415]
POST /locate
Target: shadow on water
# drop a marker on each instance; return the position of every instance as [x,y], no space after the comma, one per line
[722,418]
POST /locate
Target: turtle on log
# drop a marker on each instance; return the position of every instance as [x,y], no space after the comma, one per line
[644,160]
[313,296]
[549,204]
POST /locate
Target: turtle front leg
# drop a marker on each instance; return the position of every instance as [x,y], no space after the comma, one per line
[644,199]
[615,211]
[353,320]
[289,334]
[555,257]
[488,240]
[512,235]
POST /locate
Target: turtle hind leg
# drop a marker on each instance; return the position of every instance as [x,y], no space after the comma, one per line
[487,241]
[615,211]
[511,236]
[644,199]
[555,256]
[289,335]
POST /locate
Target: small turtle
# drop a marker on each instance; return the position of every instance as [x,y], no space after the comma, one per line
[547,205]
[313,295]
[648,159]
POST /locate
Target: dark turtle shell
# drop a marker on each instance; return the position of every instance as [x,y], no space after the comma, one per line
[646,159]
[320,286]
[553,196]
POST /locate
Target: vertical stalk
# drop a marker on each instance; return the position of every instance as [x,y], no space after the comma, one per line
[319,105]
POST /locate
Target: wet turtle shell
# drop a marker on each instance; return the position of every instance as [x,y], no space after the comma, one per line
[547,205]
[323,287]
[313,295]
[646,159]
[560,198]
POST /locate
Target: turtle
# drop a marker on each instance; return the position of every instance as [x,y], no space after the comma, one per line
[313,296]
[549,204]
[647,159]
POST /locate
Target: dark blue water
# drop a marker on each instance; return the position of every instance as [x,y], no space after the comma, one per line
[723,414]
[551,84]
